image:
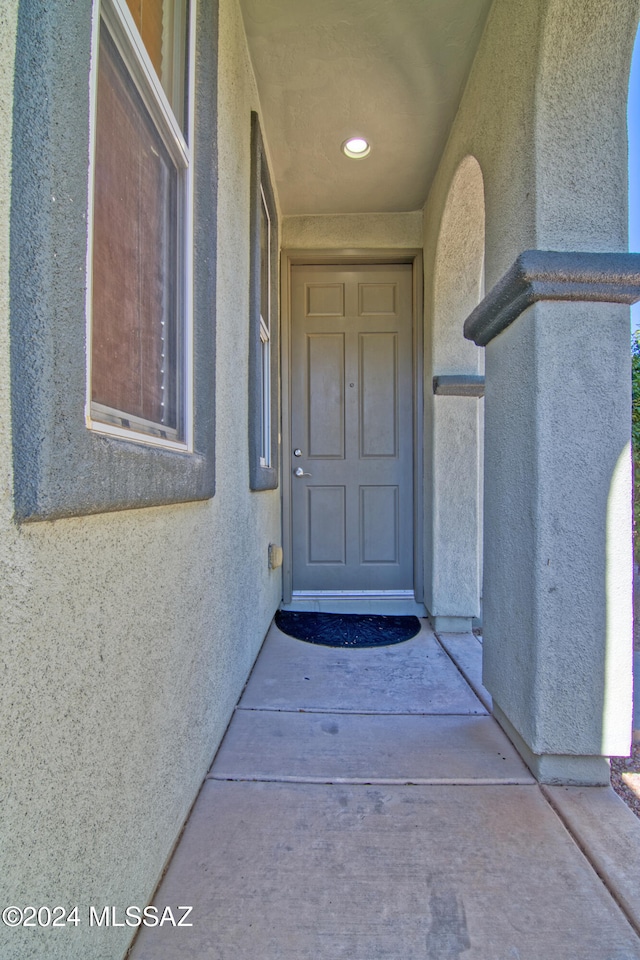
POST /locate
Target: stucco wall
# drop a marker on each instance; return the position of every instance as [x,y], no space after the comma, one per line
[544,115]
[453,452]
[494,125]
[358,230]
[127,637]
[8,27]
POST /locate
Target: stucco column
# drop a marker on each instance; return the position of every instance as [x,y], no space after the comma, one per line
[557,507]
[454,549]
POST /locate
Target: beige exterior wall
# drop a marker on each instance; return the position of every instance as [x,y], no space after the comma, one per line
[547,125]
[453,454]
[8,27]
[544,114]
[357,230]
[495,126]
[126,637]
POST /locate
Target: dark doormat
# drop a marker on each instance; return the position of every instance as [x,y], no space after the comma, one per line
[347,629]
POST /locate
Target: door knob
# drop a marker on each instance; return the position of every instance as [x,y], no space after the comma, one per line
[299,472]
[297,452]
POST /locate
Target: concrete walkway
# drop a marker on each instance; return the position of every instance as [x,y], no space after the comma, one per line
[364,805]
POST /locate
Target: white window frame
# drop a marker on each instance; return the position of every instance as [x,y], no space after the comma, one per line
[122,28]
[263,433]
[265,348]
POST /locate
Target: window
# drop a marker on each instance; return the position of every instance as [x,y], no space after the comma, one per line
[140,310]
[265,331]
[60,467]
[263,360]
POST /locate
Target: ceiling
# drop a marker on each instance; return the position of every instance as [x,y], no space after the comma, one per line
[392,71]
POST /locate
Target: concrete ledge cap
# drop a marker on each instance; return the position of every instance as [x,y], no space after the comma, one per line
[459,385]
[553,275]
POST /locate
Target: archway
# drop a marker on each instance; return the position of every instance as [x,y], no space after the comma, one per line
[454,527]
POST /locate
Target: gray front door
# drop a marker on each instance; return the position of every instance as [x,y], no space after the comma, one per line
[352,423]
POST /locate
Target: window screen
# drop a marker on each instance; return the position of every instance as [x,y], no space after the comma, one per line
[138,313]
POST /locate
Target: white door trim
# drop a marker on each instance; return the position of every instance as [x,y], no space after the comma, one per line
[289,259]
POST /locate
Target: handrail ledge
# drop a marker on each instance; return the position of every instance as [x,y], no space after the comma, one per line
[553,275]
[459,385]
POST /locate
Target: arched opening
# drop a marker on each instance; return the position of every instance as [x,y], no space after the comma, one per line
[454,528]
[459,271]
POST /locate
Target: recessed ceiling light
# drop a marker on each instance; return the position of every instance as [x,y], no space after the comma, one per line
[356,148]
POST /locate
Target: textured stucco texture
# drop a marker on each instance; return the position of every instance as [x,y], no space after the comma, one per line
[392,72]
[453,457]
[557,570]
[359,231]
[127,637]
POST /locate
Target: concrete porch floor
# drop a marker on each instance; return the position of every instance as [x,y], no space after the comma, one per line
[364,805]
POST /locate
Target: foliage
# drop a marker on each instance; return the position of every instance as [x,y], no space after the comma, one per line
[635,387]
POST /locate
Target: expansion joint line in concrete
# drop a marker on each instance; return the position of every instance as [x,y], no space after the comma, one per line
[583,847]
[465,676]
[358,713]
[382,781]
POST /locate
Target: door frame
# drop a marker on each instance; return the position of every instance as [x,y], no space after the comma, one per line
[344,257]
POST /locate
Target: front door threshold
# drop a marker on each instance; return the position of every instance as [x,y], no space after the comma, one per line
[385,602]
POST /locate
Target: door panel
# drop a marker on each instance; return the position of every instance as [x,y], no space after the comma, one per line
[324,299]
[325,395]
[379,533]
[378,394]
[377,299]
[352,420]
[327,534]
